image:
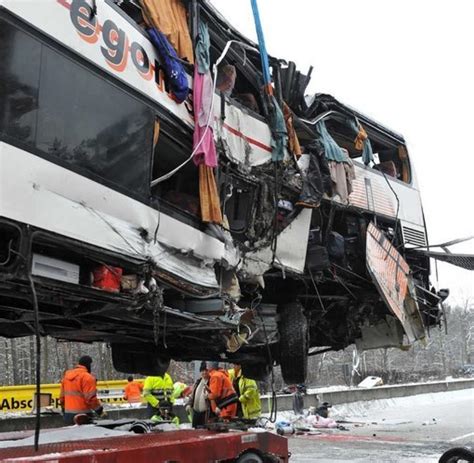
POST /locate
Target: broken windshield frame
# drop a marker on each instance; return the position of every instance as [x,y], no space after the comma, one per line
[403,166]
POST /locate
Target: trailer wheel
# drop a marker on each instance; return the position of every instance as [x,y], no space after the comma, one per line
[293,329]
[457,454]
[141,359]
[249,457]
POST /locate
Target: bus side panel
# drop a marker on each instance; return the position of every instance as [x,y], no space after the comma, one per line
[37,192]
[63,21]
[371,192]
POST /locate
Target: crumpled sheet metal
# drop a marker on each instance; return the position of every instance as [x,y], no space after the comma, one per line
[49,197]
[290,252]
[186,266]
[384,333]
[244,139]
[391,275]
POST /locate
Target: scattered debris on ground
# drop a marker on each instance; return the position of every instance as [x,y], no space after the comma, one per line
[371,381]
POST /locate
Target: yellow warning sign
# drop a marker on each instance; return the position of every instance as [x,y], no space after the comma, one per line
[20,398]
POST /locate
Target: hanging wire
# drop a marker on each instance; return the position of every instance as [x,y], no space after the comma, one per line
[9,253]
[37,332]
[317,291]
[155,234]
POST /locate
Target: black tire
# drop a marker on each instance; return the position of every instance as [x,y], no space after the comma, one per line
[293,329]
[457,454]
[256,371]
[143,359]
[249,457]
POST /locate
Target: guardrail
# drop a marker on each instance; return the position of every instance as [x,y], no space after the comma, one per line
[20,398]
[355,394]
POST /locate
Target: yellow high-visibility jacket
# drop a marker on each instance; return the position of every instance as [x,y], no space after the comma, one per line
[157,389]
[249,395]
[178,389]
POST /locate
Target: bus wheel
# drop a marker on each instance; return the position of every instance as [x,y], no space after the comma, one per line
[256,371]
[293,327]
[139,358]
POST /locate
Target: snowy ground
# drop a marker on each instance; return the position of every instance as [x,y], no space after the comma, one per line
[322,389]
[416,429]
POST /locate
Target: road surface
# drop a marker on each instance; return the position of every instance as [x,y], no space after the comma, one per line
[414,429]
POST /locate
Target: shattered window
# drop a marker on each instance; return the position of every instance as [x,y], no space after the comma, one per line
[238,206]
[182,189]
[72,116]
[389,156]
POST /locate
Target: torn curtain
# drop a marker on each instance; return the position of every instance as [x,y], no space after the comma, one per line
[172,67]
[205,155]
[169,16]
[332,150]
[208,195]
[362,142]
[317,177]
[293,142]
[278,127]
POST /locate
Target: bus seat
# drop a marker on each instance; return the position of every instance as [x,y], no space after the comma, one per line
[388,168]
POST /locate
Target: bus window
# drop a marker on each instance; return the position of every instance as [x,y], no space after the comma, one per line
[390,156]
[181,189]
[20,62]
[71,116]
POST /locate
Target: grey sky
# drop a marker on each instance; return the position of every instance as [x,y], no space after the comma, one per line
[409,65]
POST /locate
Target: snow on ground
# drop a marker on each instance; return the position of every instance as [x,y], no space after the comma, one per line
[122,406]
[367,408]
[322,389]
[71,433]
[369,411]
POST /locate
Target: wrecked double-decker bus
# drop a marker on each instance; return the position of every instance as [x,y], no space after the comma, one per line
[152,198]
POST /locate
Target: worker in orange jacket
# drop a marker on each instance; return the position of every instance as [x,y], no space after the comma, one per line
[221,394]
[79,392]
[133,391]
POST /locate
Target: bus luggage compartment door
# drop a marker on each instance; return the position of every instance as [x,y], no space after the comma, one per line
[391,275]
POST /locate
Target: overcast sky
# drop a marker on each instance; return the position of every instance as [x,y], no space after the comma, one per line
[408,64]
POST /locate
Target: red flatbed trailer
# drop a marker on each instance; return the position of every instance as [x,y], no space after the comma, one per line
[194,446]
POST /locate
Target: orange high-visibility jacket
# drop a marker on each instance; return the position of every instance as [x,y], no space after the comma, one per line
[79,391]
[220,387]
[133,392]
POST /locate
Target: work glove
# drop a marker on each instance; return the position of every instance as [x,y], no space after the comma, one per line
[175,421]
[155,419]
